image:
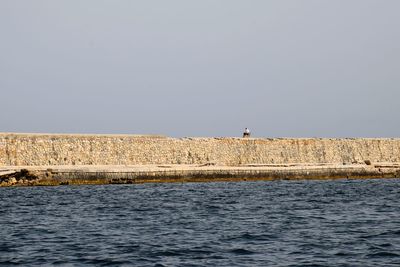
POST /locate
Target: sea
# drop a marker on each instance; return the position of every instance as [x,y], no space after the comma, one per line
[266,223]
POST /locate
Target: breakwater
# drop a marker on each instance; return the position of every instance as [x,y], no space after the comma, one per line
[52,159]
[63,149]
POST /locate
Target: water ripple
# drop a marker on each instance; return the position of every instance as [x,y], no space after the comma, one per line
[303,223]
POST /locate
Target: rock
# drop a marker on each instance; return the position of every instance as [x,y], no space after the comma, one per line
[367,161]
[209,163]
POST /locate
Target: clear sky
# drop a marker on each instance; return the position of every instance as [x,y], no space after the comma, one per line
[309,68]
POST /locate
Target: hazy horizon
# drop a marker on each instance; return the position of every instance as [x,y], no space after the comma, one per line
[306,68]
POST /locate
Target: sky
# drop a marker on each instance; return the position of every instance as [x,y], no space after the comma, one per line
[291,68]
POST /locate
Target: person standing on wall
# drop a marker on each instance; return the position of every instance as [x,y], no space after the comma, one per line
[246,133]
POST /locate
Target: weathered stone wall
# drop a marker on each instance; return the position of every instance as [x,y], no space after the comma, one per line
[58,149]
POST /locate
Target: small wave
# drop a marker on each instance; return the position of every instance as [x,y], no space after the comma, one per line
[100,262]
[307,265]
[396,232]
[385,245]
[382,254]
[169,253]
[250,237]
[185,252]
[342,254]
[241,251]
[387,233]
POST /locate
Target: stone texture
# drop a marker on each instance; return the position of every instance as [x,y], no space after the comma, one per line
[61,149]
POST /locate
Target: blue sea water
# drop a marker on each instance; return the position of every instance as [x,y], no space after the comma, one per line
[280,223]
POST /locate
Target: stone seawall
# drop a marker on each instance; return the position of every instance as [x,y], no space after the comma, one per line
[108,174]
[64,149]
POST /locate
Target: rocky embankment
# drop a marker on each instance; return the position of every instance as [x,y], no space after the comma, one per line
[67,175]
